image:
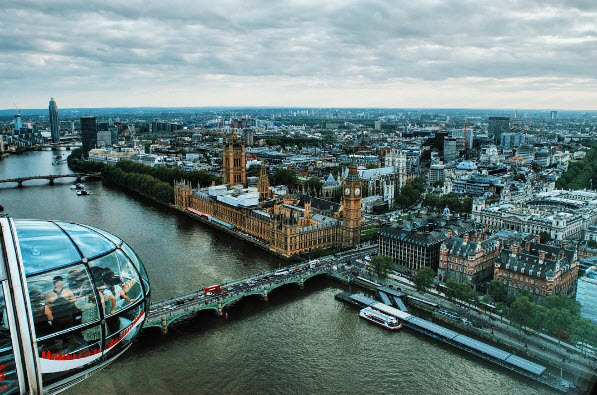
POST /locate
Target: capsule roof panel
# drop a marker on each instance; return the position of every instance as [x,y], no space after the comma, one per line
[46,245]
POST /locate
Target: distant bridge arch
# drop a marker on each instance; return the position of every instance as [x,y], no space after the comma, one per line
[20,180]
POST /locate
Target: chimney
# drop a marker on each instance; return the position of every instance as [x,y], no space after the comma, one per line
[563,244]
[465,238]
[527,246]
[515,248]
[541,256]
[449,234]
[537,239]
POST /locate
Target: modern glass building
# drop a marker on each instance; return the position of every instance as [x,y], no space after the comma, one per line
[586,294]
[497,126]
[88,133]
[54,127]
[73,298]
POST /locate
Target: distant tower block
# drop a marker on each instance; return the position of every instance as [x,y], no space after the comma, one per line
[54,128]
[234,162]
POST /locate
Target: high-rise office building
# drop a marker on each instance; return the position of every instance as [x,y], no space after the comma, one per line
[513,140]
[18,122]
[54,127]
[450,150]
[104,138]
[554,115]
[497,126]
[459,133]
[249,136]
[88,133]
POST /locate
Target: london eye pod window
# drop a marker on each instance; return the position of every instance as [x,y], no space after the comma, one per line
[87,295]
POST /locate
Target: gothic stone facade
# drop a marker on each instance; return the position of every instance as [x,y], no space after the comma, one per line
[282,224]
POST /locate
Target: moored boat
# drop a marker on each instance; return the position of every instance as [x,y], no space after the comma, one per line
[381,319]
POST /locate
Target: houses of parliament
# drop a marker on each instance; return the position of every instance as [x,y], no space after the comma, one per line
[287,225]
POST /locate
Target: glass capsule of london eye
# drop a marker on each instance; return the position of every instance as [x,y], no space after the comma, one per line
[73,298]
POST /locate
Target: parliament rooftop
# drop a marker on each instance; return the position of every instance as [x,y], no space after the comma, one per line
[73,298]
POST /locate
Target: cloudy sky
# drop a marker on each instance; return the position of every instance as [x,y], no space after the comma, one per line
[396,53]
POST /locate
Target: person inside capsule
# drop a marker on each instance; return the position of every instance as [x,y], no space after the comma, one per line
[87,293]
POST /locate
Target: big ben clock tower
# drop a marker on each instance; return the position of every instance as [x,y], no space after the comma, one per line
[351,202]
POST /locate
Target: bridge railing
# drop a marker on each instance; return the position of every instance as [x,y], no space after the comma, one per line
[258,276]
[245,280]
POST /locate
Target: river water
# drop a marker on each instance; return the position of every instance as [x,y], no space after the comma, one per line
[301,341]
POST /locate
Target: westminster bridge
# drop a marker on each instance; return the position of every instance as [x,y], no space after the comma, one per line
[163,313]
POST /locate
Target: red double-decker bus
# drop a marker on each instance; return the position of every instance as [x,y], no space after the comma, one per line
[212,289]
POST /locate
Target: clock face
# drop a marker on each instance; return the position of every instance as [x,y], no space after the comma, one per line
[347,191]
[357,191]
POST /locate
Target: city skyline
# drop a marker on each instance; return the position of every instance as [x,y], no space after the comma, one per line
[454,54]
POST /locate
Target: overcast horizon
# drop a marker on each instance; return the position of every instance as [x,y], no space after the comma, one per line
[527,54]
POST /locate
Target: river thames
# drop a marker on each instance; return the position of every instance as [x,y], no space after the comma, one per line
[301,341]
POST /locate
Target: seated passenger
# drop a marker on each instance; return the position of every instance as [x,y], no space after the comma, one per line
[60,309]
[77,283]
[119,289]
[40,320]
[87,304]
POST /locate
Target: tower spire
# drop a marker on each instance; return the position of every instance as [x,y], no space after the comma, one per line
[263,183]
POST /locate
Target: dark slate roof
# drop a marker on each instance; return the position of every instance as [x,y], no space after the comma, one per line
[428,235]
[457,247]
[319,204]
[528,263]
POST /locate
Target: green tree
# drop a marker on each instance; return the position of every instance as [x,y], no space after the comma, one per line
[558,322]
[382,264]
[410,193]
[521,311]
[583,330]
[314,185]
[592,243]
[285,177]
[423,278]
[497,291]
[537,319]
[562,302]
[461,291]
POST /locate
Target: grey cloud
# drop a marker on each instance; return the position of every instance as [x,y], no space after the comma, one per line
[136,43]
